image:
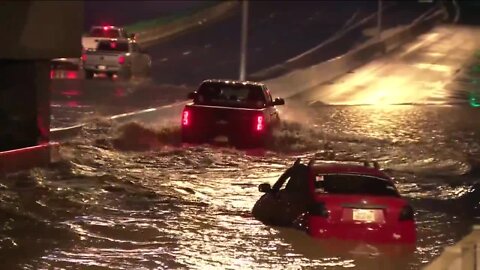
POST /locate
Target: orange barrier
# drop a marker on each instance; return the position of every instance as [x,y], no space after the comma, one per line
[29,157]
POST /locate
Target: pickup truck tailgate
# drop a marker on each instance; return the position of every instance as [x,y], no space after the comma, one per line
[223,120]
[102,58]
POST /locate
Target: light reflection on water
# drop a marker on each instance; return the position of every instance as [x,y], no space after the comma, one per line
[189,207]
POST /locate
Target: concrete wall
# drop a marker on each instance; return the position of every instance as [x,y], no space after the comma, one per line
[299,80]
[465,255]
[40,29]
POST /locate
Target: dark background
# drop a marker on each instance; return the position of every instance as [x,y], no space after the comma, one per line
[128,12]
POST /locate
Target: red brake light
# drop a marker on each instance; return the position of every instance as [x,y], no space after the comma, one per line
[186,118]
[84,57]
[121,59]
[105,28]
[259,123]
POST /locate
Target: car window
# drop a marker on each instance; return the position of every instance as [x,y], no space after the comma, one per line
[239,95]
[105,33]
[353,184]
[113,46]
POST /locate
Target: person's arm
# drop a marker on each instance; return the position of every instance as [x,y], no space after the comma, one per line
[281,180]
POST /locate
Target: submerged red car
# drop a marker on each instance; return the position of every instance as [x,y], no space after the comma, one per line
[338,200]
[355,202]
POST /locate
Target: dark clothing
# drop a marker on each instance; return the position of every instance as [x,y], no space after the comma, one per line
[283,207]
[298,183]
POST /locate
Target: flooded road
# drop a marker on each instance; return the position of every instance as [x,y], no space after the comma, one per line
[188,207]
[130,196]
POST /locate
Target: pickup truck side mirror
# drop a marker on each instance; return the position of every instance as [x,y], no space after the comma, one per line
[191,95]
[132,36]
[264,188]
[279,101]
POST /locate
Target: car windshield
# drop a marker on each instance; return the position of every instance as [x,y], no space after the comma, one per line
[105,33]
[112,46]
[237,95]
[353,184]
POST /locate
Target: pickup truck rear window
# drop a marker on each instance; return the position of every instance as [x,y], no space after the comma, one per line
[112,46]
[108,33]
[235,95]
[353,184]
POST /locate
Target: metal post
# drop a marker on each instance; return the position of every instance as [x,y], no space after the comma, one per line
[457,11]
[379,20]
[243,49]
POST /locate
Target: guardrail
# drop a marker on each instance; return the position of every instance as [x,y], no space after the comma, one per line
[28,157]
[147,115]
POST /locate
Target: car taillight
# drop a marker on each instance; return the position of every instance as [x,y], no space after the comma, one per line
[121,59]
[186,118]
[259,123]
[318,209]
[84,57]
[407,213]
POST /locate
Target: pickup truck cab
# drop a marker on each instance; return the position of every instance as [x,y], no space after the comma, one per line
[99,33]
[244,112]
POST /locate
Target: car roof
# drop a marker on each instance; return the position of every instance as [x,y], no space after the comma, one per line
[233,82]
[338,168]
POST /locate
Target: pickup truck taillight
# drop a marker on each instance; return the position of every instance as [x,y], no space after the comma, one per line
[259,123]
[186,118]
[84,57]
[121,59]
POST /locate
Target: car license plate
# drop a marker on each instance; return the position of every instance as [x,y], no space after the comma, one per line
[102,67]
[365,215]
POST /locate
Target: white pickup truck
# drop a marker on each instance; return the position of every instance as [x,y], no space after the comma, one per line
[98,33]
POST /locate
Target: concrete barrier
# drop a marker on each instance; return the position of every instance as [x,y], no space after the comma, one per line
[29,157]
[300,80]
[342,43]
[146,116]
[60,134]
[465,255]
[202,17]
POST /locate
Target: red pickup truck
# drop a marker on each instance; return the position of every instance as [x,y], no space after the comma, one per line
[244,112]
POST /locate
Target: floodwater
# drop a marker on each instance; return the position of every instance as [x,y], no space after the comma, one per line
[131,196]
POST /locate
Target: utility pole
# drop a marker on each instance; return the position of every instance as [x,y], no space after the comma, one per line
[379,20]
[243,47]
